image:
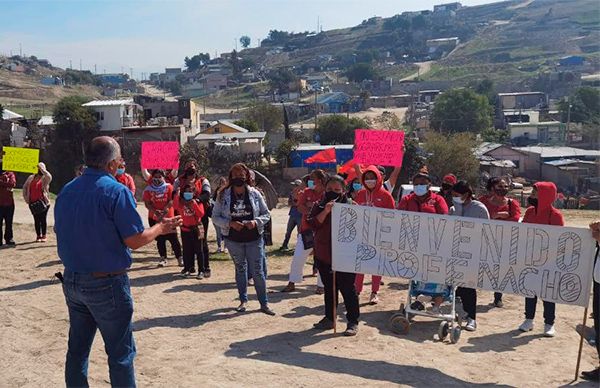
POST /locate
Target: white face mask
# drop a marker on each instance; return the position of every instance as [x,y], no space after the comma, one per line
[458,200]
[421,190]
[371,183]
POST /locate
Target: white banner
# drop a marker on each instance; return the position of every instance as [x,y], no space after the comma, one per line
[553,262]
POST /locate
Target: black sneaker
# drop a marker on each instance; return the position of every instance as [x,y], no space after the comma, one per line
[10,243]
[284,248]
[323,324]
[417,305]
[267,310]
[184,273]
[351,330]
[498,303]
[207,273]
[593,375]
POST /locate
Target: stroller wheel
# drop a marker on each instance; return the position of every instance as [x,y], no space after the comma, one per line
[399,324]
[455,334]
[443,330]
[401,310]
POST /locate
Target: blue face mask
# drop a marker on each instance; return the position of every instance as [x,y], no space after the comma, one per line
[120,171]
[311,184]
[356,186]
[188,196]
[421,190]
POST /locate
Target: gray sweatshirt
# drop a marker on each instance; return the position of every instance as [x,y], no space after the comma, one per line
[473,209]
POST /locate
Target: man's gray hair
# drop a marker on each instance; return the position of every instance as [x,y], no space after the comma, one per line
[101,151]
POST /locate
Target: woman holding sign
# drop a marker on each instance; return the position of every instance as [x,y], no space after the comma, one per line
[501,208]
[373,194]
[158,198]
[542,212]
[36,194]
[464,205]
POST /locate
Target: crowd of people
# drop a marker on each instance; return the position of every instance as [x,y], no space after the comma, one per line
[97,224]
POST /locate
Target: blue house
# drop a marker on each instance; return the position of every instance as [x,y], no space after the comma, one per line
[572,60]
[343,153]
[336,102]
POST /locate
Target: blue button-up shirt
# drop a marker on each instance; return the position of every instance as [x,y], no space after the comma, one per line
[93,216]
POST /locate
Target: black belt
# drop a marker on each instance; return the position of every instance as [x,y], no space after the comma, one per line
[100,275]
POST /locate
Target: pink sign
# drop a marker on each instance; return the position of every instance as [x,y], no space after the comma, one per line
[160,154]
[384,148]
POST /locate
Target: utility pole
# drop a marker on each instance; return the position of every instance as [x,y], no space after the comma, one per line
[131,72]
[80,67]
[316,110]
[95,69]
[70,64]
[20,50]
[568,117]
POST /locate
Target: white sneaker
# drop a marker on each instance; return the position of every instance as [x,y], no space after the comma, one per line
[471,325]
[527,325]
[549,331]
[219,250]
[162,263]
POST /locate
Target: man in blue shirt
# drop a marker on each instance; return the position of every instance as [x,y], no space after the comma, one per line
[97,225]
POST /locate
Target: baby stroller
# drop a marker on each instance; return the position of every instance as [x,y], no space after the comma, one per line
[451,321]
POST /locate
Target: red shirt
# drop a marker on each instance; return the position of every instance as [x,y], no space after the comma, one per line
[36,192]
[127,180]
[434,203]
[544,213]
[7,184]
[191,212]
[159,201]
[308,195]
[511,206]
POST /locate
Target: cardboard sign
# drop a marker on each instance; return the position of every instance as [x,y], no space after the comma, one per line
[20,159]
[160,154]
[384,148]
[554,263]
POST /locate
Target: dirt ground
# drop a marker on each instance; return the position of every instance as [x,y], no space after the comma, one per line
[187,333]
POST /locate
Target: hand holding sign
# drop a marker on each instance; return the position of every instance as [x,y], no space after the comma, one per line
[160,154]
[385,148]
[20,159]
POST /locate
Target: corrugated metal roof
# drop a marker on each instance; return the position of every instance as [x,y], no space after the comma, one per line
[486,147]
[232,125]
[558,152]
[566,162]
[109,102]
[46,120]
[229,136]
[10,115]
[319,147]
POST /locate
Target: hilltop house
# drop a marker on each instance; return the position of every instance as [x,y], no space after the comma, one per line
[224,134]
[113,115]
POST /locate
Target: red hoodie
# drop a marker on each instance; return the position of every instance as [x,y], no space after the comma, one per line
[433,203]
[378,197]
[544,213]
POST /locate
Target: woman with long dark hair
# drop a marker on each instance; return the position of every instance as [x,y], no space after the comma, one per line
[241,213]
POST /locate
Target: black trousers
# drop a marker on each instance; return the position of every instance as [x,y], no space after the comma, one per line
[6,217]
[205,253]
[469,300]
[192,251]
[344,282]
[40,223]
[497,296]
[549,310]
[161,242]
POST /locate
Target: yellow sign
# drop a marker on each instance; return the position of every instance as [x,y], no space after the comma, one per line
[20,159]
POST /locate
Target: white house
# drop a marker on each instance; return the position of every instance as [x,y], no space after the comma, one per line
[112,115]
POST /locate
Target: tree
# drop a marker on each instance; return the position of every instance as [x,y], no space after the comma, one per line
[452,153]
[245,41]
[461,110]
[585,109]
[236,66]
[174,87]
[338,129]
[280,80]
[250,125]
[75,127]
[486,88]
[197,61]
[494,135]
[360,72]
[282,153]
[268,117]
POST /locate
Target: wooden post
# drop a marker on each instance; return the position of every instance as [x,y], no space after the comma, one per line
[585,315]
[334,305]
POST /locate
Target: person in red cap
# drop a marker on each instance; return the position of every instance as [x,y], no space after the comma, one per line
[447,183]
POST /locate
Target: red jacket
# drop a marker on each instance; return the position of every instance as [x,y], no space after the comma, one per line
[512,207]
[378,197]
[544,213]
[191,213]
[127,180]
[7,184]
[433,203]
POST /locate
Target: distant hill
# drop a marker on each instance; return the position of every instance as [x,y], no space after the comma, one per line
[21,89]
[510,39]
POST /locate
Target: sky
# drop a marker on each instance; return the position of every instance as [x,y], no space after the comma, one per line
[149,35]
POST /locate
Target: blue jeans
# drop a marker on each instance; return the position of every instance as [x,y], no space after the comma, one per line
[104,304]
[219,236]
[244,255]
[292,223]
